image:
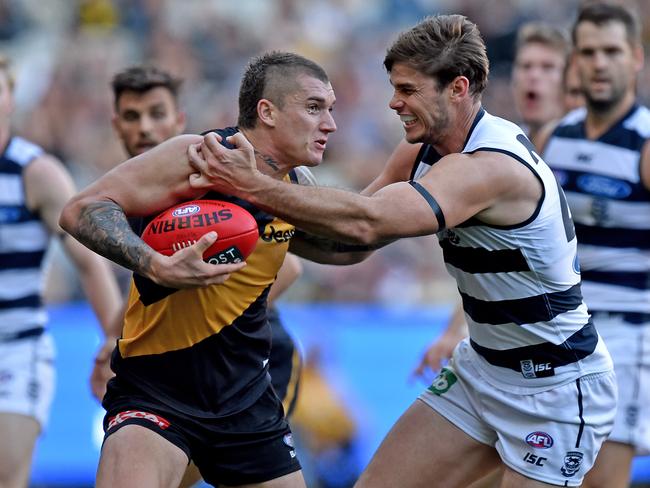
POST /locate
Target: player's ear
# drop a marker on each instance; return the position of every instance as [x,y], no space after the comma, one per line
[459,87]
[266,112]
[115,121]
[639,58]
[181,120]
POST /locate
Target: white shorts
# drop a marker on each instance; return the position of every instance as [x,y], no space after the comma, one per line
[27,377]
[552,436]
[629,345]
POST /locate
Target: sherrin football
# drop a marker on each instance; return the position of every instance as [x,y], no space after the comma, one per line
[182,225]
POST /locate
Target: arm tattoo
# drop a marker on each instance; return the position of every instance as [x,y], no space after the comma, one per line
[103,227]
[268,160]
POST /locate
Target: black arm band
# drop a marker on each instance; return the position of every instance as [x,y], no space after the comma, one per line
[432,203]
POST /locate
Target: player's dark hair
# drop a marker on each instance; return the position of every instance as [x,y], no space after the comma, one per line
[601,13]
[142,78]
[443,47]
[545,34]
[272,76]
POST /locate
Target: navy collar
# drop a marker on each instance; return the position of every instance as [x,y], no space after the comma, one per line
[479,116]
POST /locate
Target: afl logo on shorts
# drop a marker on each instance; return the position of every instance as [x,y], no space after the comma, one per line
[539,440]
[186,210]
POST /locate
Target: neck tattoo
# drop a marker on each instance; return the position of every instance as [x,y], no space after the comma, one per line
[268,160]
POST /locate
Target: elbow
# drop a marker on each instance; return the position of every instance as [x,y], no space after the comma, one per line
[367,230]
[70,215]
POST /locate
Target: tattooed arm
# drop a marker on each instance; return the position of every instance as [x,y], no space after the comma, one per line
[144,185]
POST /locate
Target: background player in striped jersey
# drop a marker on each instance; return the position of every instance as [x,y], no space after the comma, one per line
[601,157]
[533,386]
[147,113]
[34,188]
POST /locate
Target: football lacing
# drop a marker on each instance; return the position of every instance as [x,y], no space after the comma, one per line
[177,246]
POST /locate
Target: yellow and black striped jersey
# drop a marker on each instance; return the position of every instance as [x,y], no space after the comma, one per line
[205,351]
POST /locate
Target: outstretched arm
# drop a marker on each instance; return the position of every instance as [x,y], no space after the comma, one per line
[458,187]
[327,251]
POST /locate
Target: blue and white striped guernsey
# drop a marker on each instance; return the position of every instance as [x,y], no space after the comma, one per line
[520,286]
[610,207]
[23,242]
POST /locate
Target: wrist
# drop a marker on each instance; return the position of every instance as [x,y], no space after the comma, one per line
[153,267]
[259,187]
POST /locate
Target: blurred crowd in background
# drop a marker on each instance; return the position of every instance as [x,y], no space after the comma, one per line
[65,53]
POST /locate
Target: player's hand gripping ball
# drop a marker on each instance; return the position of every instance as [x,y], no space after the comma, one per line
[182,225]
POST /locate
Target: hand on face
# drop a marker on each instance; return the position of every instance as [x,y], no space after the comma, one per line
[220,168]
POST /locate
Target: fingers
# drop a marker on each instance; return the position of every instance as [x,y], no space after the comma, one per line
[420,370]
[239,141]
[213,142]
[433,359]
[196,159]
[431,362]
[105,351]
[101,371]
[205,242]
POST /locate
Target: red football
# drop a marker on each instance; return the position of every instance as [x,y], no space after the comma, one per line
[182,225]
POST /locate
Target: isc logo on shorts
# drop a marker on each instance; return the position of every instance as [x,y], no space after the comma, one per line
[137,414]
[532,370]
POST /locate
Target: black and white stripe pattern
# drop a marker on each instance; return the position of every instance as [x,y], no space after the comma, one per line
[23,243]
[519,284]
[610,206]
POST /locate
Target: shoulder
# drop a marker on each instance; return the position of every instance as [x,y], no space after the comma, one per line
[44,168]
[21,151]
[48,182]
[639,121]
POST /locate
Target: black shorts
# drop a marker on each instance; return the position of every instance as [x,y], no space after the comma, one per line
[251,446]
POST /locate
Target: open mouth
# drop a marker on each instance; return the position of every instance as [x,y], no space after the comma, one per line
[408,120]
[531,96]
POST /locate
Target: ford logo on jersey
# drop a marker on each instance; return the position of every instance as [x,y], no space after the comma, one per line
[539,440]
[604,186]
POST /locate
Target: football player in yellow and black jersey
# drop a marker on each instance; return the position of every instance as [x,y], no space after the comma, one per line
[146,113]
[191,365]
